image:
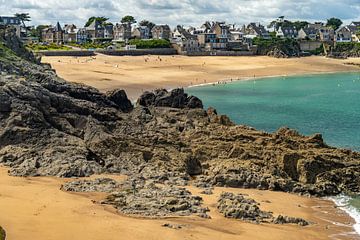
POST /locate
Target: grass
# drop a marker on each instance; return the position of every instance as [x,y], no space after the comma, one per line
[153,43]
[6,53]
[2,233]
[91,45]
[49,47]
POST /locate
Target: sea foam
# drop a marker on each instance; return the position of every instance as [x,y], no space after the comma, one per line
[344,204]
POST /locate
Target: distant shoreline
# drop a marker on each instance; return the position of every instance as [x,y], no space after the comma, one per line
[143,73]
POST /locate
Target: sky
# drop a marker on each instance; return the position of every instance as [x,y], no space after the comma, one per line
[183,12]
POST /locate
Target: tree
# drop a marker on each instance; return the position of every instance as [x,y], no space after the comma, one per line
[335,23]
[24,17]
[128,19]
[101,20]
[147,23]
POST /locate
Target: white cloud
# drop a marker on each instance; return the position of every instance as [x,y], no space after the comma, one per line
[185,12]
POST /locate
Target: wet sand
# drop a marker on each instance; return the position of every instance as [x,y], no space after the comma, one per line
[140,73]
[35,208]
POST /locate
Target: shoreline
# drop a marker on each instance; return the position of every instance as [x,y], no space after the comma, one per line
[138,74]
[81,219]
[266,77]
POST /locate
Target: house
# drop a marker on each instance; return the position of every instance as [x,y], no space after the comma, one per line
[95,30]
[122,32]
[287,32]
[70,32]
[355,33]
[109,31]
[141,32]
[185,42]
[82,36]
[161,32]
[256,30]
[343,34]
[308,32]
[12,21]
[53,34]
[326,34]
[355,24]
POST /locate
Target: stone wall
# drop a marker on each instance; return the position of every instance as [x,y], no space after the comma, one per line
[222,53]
[80,53]
[139,52]
[310,45]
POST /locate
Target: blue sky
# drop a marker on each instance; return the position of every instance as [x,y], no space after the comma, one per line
[185,12]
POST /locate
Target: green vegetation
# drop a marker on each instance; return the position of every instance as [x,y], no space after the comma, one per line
[286,23]
[318,51]
[36,32]
[91,45]
[147,23]
[24,17]
[101,20]
[335,23]
[289,46]
[49,47]
[154,43]
[347,47]
[6,53]
[2,233]
[128,19]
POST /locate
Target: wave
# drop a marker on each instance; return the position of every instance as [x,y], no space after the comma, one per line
[344,203]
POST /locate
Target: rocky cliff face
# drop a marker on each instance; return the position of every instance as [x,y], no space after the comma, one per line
[51,127]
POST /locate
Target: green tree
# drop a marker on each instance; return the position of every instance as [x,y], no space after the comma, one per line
[128,19]
[24,17]
[101,20]
[335,23]
[147,23]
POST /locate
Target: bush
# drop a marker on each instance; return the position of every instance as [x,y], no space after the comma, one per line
[153,43]
[289,46]
[48,47]
[2,233]
[91,45]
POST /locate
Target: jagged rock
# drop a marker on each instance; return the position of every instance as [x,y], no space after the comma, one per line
[97,185]
[2,234]
[173,226]
[177,98]
[149,200]
[290,220]
[239,207]
[120,98]
[50,127]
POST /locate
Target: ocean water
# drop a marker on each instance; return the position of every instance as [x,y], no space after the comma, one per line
[327,103]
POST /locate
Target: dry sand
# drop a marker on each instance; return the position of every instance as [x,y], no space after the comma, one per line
[136,74]
[35,208]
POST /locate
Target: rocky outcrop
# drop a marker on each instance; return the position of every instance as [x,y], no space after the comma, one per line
[97,185]
[240,207]
[148,200]
[177,98]
[2,234]
[50,127]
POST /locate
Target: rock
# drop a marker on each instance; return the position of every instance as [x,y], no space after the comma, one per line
[97,185]
[120,98]
[50,127]
[290,220]
[153,201]
[173,226]
[239,207]
[177,98]
[2,234]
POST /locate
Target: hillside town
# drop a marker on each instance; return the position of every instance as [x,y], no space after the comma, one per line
[210,37]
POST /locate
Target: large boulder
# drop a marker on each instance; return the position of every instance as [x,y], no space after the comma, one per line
[120,98]
[177,98]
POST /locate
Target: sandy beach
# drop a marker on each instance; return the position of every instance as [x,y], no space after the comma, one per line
[140,73]
[35,208]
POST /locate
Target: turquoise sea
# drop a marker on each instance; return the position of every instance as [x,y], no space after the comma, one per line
[324,103]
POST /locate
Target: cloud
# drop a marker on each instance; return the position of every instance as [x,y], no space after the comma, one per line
[185,12]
